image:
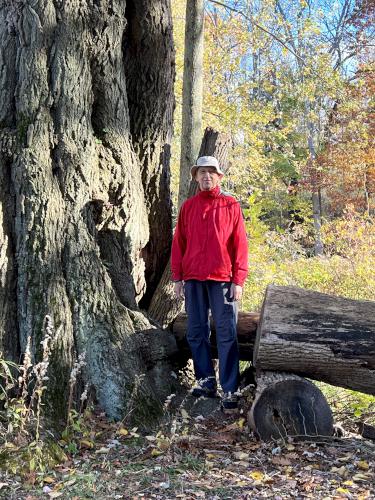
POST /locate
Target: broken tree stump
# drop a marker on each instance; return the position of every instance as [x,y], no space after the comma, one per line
[246,332]
[287,405]
[319,336]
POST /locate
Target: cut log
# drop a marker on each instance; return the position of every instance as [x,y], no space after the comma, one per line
[367,431]
[287,405]
[246,331]
[319,336]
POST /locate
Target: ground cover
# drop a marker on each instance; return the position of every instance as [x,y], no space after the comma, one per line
[197,453]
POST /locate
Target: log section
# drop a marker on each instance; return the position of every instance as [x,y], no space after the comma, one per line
[319,336]
[246,331]
[288,405]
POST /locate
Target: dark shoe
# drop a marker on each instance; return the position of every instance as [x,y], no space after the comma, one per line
[229,403]
[205,392]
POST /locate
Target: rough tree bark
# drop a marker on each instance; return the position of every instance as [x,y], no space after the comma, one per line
[85,119]
[149,67]
[319,336]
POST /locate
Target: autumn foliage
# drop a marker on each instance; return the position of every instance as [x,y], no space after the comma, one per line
[348,160]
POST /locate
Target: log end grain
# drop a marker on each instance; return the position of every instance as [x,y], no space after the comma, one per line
[292,407]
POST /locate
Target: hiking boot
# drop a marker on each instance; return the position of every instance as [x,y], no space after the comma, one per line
[229,403]
[205,392]
[206,388]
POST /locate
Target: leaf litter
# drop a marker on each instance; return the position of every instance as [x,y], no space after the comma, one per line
[211,458]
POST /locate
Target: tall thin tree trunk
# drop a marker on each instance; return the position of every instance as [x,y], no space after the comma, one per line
[84,174]
[192,93]
[315,198]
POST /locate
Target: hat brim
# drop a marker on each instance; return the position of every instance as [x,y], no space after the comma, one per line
[194,169]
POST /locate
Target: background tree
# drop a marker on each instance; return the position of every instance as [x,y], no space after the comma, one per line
[274,71]
[192,94]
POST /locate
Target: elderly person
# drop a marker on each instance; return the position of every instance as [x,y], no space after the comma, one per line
[209,266]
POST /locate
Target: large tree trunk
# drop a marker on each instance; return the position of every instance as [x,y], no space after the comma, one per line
[319,336]
[149,69]
[85,116]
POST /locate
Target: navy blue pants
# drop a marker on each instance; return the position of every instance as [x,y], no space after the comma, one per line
[200,297]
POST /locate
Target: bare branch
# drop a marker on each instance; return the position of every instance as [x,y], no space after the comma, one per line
[262,28]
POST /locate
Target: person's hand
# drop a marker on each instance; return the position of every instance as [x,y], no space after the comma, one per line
[179,289]
[235,292]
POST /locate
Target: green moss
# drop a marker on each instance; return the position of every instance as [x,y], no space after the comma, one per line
[23,123]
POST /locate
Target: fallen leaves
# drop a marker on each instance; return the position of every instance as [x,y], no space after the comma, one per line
[204,459]
[363,465]
[281,460]
[85,443]
[341,471]
[102,450]
[241,455]
[257,475]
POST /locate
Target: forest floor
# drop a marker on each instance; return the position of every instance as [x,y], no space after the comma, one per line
[191,456]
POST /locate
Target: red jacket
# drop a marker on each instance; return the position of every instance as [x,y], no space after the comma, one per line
[210,239]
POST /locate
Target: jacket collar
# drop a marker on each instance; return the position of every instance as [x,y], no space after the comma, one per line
[212,193]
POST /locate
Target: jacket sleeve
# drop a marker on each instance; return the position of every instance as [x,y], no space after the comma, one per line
[178,247]
[239,249]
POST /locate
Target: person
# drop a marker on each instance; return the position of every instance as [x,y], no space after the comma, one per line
[209,264]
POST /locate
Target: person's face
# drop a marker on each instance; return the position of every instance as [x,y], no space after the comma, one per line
[207,178]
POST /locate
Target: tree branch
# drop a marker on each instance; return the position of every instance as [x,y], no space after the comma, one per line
[262,28]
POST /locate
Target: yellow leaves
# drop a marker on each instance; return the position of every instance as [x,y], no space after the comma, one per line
[257,475]
[363,465]
[49,480]
[86,443]
[185,415]
[155,452]
[343,472]
[160,442]
[122,431]
[237,424]
[348,483]
[163,444]
[241,423]
[342,491]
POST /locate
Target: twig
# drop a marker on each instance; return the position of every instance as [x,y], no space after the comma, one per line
[262,28]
